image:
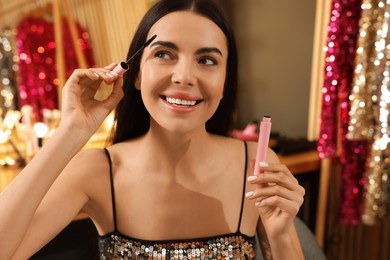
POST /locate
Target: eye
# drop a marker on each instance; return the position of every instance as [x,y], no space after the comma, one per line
[163,55]
[207,61]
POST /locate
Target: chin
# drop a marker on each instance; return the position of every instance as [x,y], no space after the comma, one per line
[180,127]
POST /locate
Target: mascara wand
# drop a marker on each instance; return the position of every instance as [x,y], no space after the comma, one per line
[122,67]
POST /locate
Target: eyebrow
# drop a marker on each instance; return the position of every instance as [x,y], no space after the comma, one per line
[173,46]
[209,49]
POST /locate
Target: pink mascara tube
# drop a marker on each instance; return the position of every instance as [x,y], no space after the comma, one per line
[122,67]
[262,145]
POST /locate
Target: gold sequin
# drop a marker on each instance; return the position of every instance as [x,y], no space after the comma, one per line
[370,105]
[228,247]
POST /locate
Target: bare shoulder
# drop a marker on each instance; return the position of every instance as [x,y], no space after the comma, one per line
[89,160]
[228,146]
[226,141]
[252,149]
[86,167]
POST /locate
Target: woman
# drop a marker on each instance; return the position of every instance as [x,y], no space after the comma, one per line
[172,184]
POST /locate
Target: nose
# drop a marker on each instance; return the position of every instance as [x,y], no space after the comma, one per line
[183,73]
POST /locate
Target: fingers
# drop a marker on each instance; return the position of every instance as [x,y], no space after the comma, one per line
[114,79]
[82,76]
[106,75]
[274,173]
[92,77]
[87,77]
[116,94]
[276,186]
[277,196]
[286,205]
[84,83]
[74,86]
[81,106]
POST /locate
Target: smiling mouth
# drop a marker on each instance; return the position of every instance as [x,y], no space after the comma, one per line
[181,102]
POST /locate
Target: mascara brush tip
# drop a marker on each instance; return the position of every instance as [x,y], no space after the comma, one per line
[150,40]
[122,67]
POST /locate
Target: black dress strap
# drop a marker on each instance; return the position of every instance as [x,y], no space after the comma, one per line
[112,189]
[244,188]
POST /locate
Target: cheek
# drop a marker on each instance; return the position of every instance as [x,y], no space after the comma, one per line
[218,86]
[151,76]
[151,83]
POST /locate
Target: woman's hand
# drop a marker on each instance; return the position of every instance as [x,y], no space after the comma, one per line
[278,197]
[80,109]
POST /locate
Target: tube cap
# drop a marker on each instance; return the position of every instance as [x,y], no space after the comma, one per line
[121,68]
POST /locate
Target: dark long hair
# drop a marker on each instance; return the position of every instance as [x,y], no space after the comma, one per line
[131,117]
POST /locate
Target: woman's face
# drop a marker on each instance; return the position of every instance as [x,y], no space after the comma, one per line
[183,71]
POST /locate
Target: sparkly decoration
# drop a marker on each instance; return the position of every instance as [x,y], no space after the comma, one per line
[377,192]
[340,49]
[340,52]
[353,166]
[363,96]
[377,196]
[37,65]
[353,153]
[8,68]
[233,246]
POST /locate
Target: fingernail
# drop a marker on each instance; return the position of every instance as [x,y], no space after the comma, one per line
[252,178]
[258,203]
[113,73]
[264,164]
[97,75]
[108,74]
[249,194]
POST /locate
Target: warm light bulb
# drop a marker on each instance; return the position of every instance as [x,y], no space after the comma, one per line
[11,119]
[40,129]
[3,137]
[9,161]
[8,123]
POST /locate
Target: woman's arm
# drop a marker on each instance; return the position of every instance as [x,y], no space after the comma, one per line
[278,197]
[288,248]
[69,195]
[81,117]
[22,196]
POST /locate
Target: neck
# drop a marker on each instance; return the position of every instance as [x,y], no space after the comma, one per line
[173,149]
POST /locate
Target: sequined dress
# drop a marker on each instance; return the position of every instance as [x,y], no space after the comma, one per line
[236,245]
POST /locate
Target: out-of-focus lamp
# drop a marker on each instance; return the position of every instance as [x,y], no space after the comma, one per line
[41,130]
[4,137]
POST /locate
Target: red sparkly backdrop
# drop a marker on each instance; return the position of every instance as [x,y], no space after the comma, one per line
[37,63]
[343,30]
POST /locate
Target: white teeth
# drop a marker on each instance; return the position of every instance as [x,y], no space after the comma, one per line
[182,102]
